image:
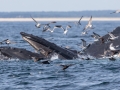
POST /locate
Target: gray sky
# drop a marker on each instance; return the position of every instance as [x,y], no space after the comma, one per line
[58,5]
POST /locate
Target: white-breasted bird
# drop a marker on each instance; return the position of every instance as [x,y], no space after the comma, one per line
[7,41]
[114,48]
[59,26]
[112,37]
[38,25]
[47,25]
[89,25]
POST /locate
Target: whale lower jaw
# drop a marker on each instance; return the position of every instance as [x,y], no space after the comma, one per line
[47,47]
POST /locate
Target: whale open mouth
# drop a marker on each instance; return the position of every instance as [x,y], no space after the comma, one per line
[34,41]
[45,47]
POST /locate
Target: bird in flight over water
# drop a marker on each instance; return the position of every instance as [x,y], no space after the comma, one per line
[89,25]
[78,23]
[117,11]
[38,25]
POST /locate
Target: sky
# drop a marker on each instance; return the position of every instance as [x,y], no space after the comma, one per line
[57,5]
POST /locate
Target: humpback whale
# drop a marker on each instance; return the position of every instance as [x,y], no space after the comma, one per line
[19,53]
[97,48]
[45,47]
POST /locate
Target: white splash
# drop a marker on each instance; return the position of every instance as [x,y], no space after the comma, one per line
[54,56]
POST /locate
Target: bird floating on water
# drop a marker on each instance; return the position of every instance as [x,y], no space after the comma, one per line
[7,41]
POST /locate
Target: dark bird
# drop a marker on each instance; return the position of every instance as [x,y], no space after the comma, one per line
[97,37]
[112,59]
[66,66]
[78,23]
[45,62]
[84,46]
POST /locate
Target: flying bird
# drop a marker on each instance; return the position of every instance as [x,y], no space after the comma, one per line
[38,25]
[78,23]
[114,48]
[97,37]
[112,37]
[84,46]
[59,26]
[117,11]
[46,26]
[89,25]
[66,66]
[7,41]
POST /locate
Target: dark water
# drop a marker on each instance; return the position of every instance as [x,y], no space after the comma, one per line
[97,74]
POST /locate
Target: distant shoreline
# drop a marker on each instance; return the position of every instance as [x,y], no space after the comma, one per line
[59,19]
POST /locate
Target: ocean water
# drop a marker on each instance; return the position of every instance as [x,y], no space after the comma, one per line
[99,74]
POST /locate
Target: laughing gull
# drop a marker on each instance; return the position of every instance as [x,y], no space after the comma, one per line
[48,25]
[78,23]
[7,41]
[84,46]
[38,25]
[97,37]
[84,32]
[89,25]
[117,11]
[114,48]
[52,30]
[59,26]
[112,36]
[66,30]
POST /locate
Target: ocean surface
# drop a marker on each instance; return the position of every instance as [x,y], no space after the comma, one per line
[99,74]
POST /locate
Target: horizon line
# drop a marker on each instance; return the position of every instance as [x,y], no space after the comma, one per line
[58,11]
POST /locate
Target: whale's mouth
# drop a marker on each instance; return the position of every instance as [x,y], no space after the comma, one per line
[36,43]
[45,47]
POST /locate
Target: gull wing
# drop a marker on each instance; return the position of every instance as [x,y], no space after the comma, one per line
[96,35]
[83,42]
[59,26]
[90,21]
[34,19]
[85,27]
[80,19]
[111,35]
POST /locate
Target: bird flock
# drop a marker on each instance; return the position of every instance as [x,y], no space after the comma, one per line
[47,28]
